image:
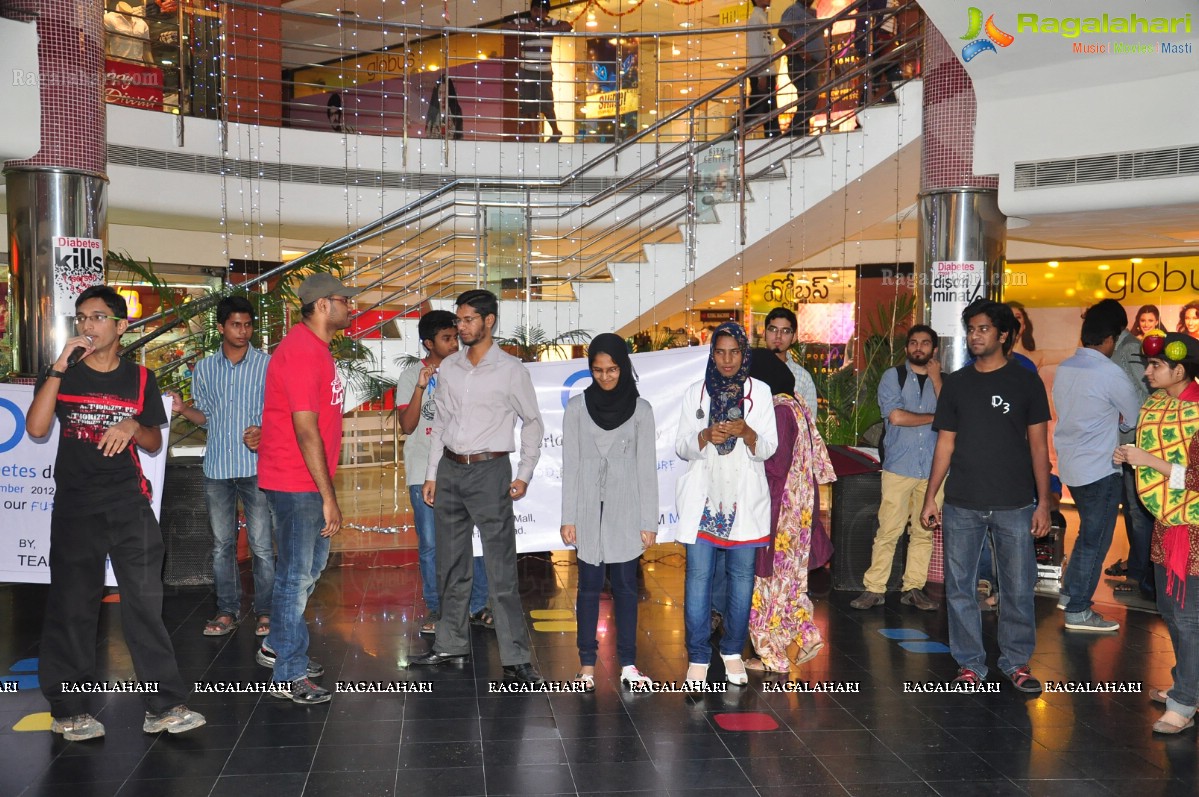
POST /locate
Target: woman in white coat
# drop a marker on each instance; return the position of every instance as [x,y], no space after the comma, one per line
[726,432]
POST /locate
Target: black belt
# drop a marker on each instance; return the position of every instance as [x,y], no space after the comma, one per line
[470,459]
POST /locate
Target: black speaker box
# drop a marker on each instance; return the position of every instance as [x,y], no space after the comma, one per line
[855,522]
[185,530]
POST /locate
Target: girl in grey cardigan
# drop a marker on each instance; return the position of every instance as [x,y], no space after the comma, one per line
[609,498]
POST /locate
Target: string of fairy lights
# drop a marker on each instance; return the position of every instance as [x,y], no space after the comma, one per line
[245,220]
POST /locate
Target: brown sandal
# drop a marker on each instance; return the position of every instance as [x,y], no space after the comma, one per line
[222,624]
[264,625]
[757,665]
[807,654]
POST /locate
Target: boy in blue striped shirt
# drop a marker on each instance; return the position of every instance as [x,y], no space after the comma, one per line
[228,390]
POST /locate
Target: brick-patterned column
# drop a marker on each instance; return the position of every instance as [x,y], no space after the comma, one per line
[57,200]
[960,221]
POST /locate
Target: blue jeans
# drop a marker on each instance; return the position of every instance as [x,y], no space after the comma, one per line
[720,587]
[220,496]
[624,597]
[965,534]
[697,599]
[1098,504]
[426,547]
[1183,625]
[1138,523]
[303,552]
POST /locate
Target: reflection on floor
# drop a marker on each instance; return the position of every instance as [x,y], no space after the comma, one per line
[462,739]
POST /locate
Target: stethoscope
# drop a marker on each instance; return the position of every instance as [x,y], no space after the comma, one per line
[699,411]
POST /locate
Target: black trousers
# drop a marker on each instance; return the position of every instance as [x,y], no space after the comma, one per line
[469,496]
[762,102]
[78,547]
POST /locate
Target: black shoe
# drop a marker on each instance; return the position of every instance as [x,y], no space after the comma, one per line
[523,673]
[434,659]
[266,657]
[916,597]
[302,691]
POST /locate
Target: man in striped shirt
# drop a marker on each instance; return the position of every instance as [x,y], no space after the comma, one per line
[227,397]
[535,79]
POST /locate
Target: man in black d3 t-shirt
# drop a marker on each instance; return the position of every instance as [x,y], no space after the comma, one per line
[105,407]
[991,421]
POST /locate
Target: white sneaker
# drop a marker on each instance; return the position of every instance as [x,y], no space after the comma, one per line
[631,676]
[78,728]
[176,720]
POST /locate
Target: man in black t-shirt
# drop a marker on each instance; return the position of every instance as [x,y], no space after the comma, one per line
[991,421]
[106,408]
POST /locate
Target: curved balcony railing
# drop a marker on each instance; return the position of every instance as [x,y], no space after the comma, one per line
[232,61]
[438,244]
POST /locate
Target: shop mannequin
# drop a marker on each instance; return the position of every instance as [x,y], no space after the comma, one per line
[128,34]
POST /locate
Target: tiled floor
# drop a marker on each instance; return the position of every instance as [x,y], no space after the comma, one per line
[461,740]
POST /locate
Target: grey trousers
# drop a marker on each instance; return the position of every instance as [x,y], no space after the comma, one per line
[469,496]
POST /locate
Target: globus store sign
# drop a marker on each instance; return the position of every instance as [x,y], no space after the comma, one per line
[1130,280]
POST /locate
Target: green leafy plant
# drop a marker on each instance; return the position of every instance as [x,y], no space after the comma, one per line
[529,344]
[656,340]
[851,392]
[273,310]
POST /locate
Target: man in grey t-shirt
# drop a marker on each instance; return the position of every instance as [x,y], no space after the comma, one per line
[438,330]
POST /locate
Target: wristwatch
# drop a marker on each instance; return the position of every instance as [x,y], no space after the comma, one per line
[51,372]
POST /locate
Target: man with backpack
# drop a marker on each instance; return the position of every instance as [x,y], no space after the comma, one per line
[907,397]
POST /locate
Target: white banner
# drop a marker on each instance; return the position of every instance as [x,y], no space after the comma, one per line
[78,265]
[662,376]
[955,284]
[27,489]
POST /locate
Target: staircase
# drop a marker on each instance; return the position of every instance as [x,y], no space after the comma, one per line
[786,220]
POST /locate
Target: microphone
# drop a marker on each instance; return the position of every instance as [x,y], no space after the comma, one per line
[74,357]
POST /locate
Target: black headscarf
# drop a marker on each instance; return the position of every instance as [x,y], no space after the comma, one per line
[611,408]
[767,367]
[727,393]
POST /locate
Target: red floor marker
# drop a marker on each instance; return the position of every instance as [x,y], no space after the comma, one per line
[746,721]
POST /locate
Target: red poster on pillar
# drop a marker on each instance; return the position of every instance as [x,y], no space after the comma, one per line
[136,85]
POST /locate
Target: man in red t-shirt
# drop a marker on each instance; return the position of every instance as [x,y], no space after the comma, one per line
[301,440]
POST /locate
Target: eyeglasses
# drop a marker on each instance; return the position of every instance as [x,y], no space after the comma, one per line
[344,300]
[779,330]
[607,373]
[467,319]
[97,318]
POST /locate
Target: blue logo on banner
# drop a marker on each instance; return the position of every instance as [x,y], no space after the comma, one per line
[570,383]
[19,419]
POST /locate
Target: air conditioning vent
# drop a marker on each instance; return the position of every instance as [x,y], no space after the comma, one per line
[165,160]
[1145,165]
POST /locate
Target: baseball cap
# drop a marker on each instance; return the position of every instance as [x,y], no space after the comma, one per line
[318,286]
